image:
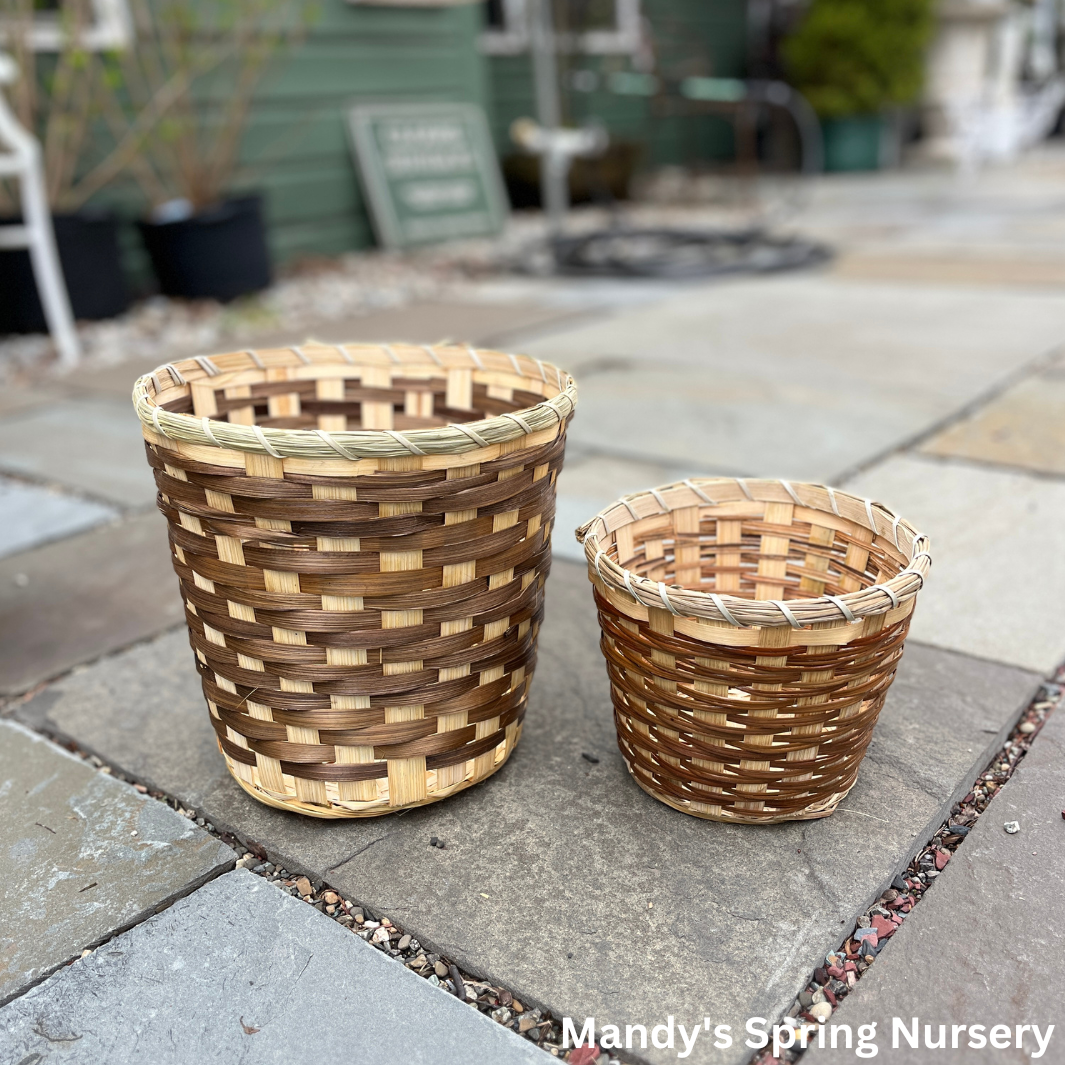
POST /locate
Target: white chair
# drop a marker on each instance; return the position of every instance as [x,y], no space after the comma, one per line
[20,158]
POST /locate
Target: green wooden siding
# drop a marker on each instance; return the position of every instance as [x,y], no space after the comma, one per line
[296,142]
[691,37]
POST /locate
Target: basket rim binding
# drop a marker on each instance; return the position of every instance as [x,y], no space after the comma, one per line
[740,612]
[452,439]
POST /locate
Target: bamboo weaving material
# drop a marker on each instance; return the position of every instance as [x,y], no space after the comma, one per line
[362,535]
[751,631]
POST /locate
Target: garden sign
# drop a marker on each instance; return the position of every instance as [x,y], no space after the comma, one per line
[429,171]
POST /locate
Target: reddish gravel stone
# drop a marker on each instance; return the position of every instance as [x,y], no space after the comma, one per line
[942,857]
[584,1055]
[883,926]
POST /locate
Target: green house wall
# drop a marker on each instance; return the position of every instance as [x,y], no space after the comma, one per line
[296,144]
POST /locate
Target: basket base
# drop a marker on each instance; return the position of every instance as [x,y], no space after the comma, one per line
[822,809]
[340,809]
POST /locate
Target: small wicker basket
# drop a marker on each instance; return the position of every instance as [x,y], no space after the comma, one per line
[751,630]
[362,535]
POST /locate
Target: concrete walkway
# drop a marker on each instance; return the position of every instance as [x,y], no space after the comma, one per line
[922,368]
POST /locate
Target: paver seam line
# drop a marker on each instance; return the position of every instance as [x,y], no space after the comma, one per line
[508,337]
[1050,697]
[256,854]
[576,449]
[987,465]
[1028,369]
[9,700]
[84,494]
[139,918]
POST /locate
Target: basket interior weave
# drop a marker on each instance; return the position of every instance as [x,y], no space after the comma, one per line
[353,402]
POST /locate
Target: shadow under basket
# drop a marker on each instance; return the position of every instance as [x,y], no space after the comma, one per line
[751,631]
[362,535]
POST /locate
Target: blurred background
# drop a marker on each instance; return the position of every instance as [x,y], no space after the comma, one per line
[819,239]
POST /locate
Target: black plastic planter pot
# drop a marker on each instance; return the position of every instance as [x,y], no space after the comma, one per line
[218,254]
[92,267]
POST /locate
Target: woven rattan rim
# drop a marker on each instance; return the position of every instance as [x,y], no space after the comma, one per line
[365,443]
[740,612]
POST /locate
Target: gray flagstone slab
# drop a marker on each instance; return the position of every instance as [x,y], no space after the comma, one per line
[92,444]
[240,971]
[68,602]
[802,376]
[85,855]
[998,566]
[31,515]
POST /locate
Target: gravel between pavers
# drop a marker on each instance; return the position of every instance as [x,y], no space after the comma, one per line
[843,968]
[536,1025]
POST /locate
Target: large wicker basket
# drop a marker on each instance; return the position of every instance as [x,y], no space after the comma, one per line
[362,535]
[751,631]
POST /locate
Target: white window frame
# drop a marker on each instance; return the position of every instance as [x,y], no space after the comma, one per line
[513,39]
[110,29]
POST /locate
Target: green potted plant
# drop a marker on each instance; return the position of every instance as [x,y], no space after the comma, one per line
[61,98]
[853,60]
[198,63]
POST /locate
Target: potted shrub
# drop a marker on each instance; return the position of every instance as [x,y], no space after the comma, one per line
[853,60]
[60,98]
[198,64]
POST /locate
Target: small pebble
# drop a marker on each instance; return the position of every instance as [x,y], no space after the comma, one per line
[404,942]
[1012,827]
[1027,727]
[440,969]
[303,885]
[331,898]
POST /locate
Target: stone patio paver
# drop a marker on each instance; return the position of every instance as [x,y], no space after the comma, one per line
[91,444]
[998,567]
[570,853]
[590,482]
[31,515]
[985,945]
[240,971]
[802,376]
[1023,427]
[84,856]
[74,600]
